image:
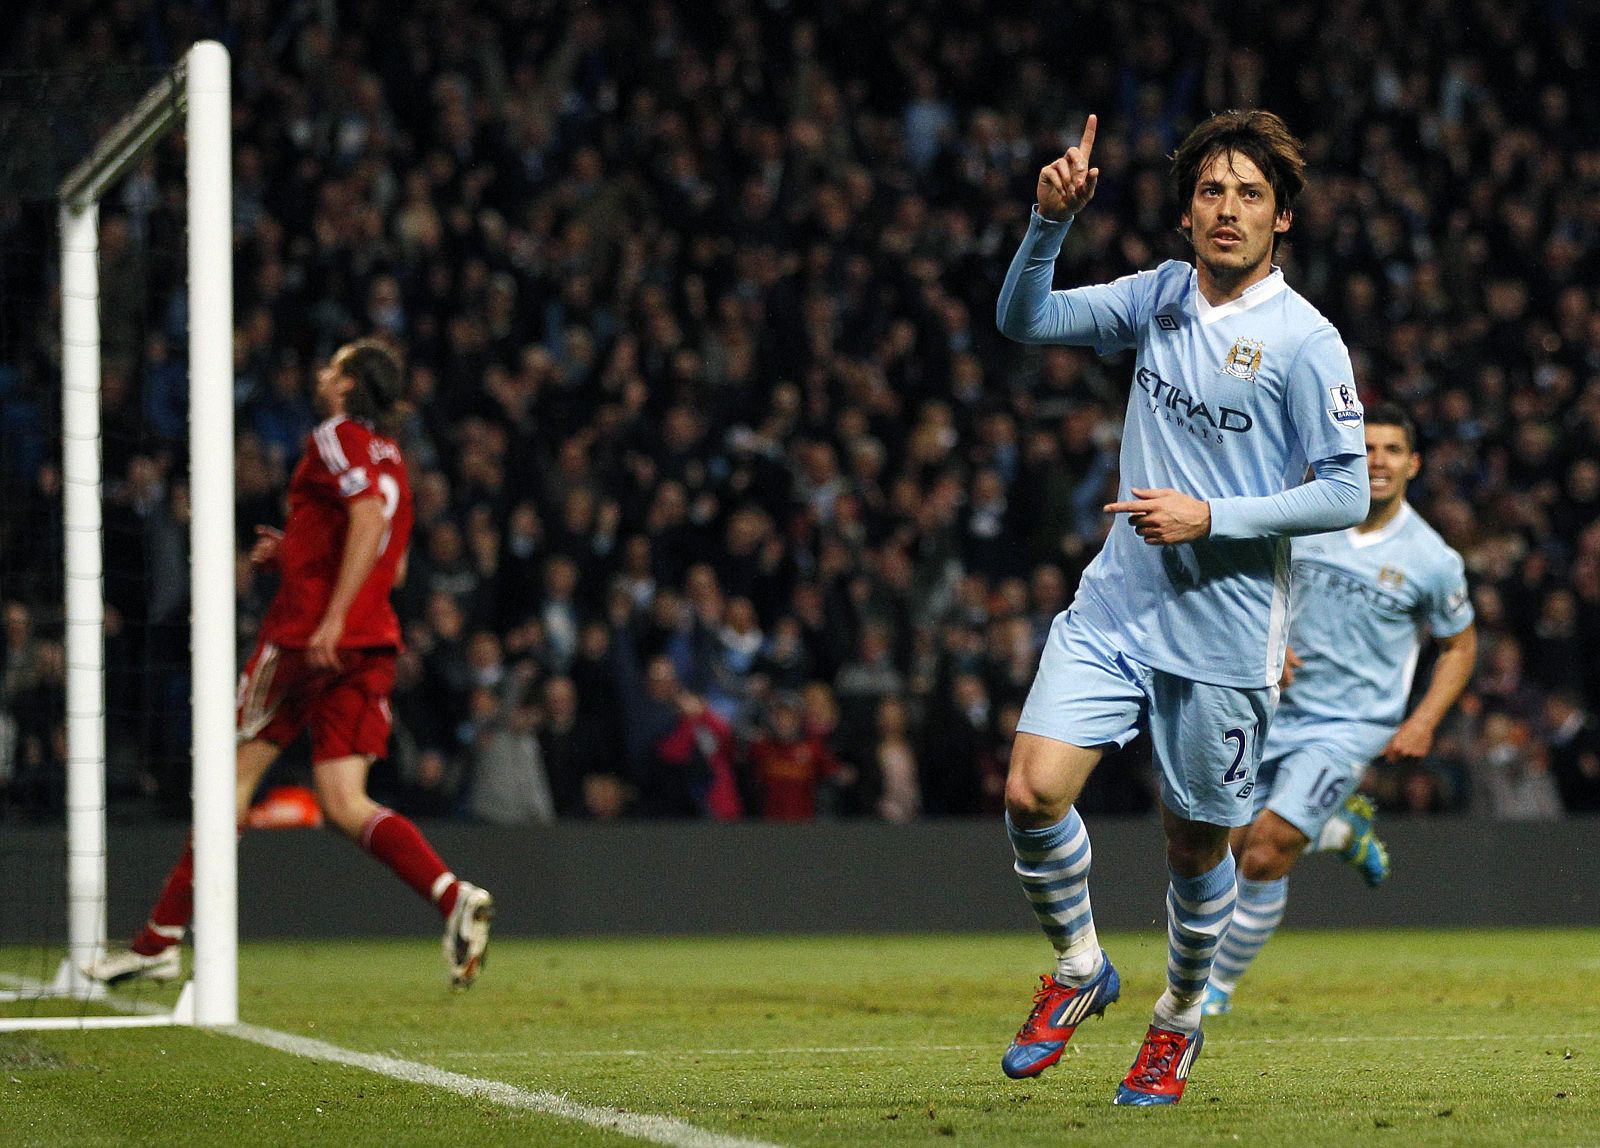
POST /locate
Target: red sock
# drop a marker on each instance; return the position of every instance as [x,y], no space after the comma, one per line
[173,909]
[399,844]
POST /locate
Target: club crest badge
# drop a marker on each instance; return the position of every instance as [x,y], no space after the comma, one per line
[1244,359]
[1390,578]
[1346,410]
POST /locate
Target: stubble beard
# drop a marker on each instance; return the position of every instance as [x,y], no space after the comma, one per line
[1224,272]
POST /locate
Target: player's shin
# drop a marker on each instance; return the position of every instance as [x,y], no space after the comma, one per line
[400,845]
[1053,865]
[173,910]
[1256,916]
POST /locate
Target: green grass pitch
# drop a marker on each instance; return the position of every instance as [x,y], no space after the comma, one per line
[1405,1038]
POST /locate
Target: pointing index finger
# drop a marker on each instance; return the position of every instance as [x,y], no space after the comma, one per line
[1086,144]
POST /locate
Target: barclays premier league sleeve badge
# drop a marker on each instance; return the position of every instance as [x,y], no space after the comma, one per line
[1346,409]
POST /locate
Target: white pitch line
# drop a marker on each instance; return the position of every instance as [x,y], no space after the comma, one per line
[876,1049]
[640,1126]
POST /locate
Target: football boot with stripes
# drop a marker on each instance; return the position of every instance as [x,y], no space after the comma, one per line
[1058,1010]
[1161,1069]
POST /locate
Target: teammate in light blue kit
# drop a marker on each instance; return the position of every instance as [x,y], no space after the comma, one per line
[1362,599]
[1179,625]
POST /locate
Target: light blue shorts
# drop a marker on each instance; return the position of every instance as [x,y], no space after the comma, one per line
[1311,766]
[1207,738]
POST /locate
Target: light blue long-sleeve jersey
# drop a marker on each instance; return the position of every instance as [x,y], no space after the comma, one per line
[1361,603]
[1230,404]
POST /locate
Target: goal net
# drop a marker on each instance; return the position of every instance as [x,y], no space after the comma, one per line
[177,694]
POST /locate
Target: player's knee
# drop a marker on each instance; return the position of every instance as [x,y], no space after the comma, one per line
[1044,780]
[1030,805]
[1191,858]
[1267,858]
[345,811]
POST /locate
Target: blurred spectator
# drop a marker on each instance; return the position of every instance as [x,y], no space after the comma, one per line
[1511,774]
[1574,752]
[790,768]
[956,750]
[895,762]
[574,748]
[681,749]
[508,785]
[862,684]
[558,612]
[38,781]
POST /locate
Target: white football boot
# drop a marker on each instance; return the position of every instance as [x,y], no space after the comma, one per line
[122,965]
[466,934]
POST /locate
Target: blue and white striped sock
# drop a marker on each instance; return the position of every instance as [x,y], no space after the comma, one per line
[1198,910]
[1053,864]
[1256,917]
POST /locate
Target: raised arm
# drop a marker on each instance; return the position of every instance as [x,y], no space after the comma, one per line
[1028,310]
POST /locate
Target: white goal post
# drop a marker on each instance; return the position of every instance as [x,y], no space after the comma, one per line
[193,96]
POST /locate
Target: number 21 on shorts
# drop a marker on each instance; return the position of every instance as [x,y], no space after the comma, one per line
[1238,771]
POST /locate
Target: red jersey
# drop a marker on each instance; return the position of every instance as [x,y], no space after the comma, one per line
[789,773]
[344,461]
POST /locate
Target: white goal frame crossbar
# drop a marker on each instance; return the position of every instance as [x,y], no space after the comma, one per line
[194,95]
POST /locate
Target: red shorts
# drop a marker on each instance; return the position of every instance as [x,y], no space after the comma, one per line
[347,710]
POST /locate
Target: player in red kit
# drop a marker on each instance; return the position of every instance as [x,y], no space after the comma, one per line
[325,661]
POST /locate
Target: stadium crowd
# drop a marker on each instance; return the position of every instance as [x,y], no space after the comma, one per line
[731,501]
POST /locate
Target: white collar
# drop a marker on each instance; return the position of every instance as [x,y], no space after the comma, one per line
[1360,540]
[1254,295]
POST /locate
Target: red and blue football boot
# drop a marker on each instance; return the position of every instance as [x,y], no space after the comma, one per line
[1057,1011]
[1161,1069]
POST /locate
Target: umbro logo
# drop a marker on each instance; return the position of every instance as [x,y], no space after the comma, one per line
[1166,322]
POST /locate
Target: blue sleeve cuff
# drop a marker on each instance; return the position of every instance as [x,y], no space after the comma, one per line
[1045,236]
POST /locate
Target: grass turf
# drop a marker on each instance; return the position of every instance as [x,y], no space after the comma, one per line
[1402,1037]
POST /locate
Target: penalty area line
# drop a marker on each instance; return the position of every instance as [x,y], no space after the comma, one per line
[641,1126]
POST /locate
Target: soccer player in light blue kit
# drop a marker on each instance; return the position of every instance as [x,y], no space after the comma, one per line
[1362,600]
[1180,623]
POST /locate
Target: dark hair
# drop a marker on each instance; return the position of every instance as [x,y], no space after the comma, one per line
[1261,137]
[1394,415]
[375,370]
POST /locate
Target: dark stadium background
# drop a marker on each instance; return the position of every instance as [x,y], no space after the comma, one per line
[697,300]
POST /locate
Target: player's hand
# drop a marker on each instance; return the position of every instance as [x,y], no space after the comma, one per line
[1165,517]
[322,648]
[1291,662]
[265,551]
[1410,743]
[1067,185]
